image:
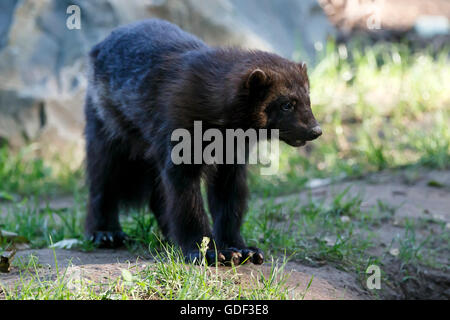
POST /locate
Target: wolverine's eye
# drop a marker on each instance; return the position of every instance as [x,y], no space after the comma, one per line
[288,107]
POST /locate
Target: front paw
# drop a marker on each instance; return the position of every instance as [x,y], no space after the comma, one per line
[253,255]
[109,239]
[227,257]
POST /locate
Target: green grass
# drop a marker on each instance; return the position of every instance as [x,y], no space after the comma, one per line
[37,221]
[381,108]
[341,234]
[311,231]
[169,277]
[432,250]
[26,173]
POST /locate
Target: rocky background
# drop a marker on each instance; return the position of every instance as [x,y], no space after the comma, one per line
[42,62]
[43,65]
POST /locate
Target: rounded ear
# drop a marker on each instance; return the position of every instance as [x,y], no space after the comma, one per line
[303,67]
[304,72]
[256,78]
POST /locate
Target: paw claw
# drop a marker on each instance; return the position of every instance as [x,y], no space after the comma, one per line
[258,259]
[237,254]
[228,257]
[108,239]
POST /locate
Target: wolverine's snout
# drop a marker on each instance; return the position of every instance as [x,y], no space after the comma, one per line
[315,132]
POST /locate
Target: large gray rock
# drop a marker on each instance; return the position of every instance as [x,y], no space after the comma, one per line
[283,26]
[42,62]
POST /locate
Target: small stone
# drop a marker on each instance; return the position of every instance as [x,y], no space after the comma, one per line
[394,252]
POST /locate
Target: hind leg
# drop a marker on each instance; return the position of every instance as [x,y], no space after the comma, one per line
[102,222]
[103,170]
[157,206]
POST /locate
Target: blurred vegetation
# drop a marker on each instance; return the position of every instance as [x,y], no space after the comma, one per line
[168,278]
[380,107]
[26,173]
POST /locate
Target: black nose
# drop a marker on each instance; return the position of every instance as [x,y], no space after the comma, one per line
[315,132]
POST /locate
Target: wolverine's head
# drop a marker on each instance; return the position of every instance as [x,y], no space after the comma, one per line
[280,94]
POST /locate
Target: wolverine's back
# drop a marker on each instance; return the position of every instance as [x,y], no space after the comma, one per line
[134,49]
[130,67]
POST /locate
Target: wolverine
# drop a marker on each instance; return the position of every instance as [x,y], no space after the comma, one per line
[150,78]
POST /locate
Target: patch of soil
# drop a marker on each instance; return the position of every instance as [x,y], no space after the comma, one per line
[409,193]
[99,264]
[416,282]
[103,266]
[418,195]
[328,283]
[421,196]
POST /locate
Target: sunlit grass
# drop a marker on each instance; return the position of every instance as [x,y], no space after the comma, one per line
[38,222]
[379,107]
[26,172]
[167,278]
[311,231]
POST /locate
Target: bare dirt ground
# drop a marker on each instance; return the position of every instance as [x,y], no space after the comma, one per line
[420,196]
[414,195]
[101,266]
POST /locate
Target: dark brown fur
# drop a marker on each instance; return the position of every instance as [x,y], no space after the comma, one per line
[150,78]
